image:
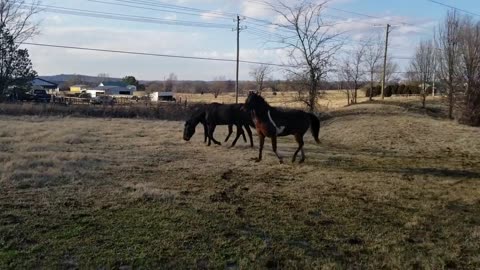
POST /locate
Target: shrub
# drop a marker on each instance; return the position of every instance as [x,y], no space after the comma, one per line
[163,111]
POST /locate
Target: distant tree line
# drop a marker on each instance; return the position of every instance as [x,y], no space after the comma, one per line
[455,54]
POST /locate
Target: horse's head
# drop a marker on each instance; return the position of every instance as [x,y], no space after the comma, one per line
[254,100]
[188,130]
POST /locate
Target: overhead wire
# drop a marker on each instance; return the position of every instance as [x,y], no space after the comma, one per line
[152,54]
[126,17]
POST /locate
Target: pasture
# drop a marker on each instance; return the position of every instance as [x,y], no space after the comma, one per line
[388,187]
[331,99]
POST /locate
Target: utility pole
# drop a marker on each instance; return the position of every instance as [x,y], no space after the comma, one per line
[434,63]
[238,29]
[385,61]
[238,58]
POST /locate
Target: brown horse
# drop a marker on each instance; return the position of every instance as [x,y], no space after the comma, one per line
[272,122]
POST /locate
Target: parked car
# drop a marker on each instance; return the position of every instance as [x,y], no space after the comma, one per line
[41,96]
[35,95]
[103,100]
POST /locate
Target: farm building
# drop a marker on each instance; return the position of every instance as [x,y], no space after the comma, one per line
[109,91]
[41,84]
[78,88]
[133,88]
[94,92]
[162,96]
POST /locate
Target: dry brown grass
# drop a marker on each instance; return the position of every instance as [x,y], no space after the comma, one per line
[330,100]
[387,188]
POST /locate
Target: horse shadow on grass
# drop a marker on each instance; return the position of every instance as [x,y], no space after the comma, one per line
[350,161]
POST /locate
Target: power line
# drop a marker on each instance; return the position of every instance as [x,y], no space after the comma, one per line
[125,17]
[134,4]
[177,7]
[168,55]
[153,54]
[333,8]
[455,8]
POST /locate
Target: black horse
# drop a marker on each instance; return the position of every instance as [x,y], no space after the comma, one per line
[228,114]
[218,116]
[198,116]
[272,122]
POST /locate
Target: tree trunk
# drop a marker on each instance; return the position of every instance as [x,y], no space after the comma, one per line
[371,86]
[313,92]
[424,95]
[355,93]
[450,102]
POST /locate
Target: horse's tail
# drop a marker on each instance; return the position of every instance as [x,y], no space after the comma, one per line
[314,126]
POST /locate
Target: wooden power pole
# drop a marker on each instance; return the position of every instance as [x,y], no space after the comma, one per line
[385,61]
[238,58]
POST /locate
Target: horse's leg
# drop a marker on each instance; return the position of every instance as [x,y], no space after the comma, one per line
[274,147]
[211,129]
[249,132]
[205,132]
[230,131]
[239,132]
[243,134]
[299,139]
[262,142]
[303,156]
[208,134]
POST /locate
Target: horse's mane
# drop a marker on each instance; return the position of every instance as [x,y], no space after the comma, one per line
[261,101]
[198,115]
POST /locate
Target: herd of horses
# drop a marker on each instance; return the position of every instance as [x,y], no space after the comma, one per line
[268,121]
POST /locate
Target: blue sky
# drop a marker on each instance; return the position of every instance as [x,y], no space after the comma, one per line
[414,20]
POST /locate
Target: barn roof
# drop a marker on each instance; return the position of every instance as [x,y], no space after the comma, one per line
[42,82]
[165,94]
[114,83]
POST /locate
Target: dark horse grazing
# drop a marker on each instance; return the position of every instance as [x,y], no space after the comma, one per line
[271,122]
[218,114]
[228,114]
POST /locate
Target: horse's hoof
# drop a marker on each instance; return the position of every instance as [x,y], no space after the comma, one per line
[256,160]
[301,161]
[281,161]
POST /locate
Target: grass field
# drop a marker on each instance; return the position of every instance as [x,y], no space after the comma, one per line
[389,187]
[330,99]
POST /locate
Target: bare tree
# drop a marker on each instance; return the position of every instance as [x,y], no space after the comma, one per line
[153,87]
[470,54]
[102,77]
[260,75]
[311,46]
[422,66]
[219,85]
[391,71]
[169,84]
[17,16]
[352,73]
[449,56]
[373,55]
